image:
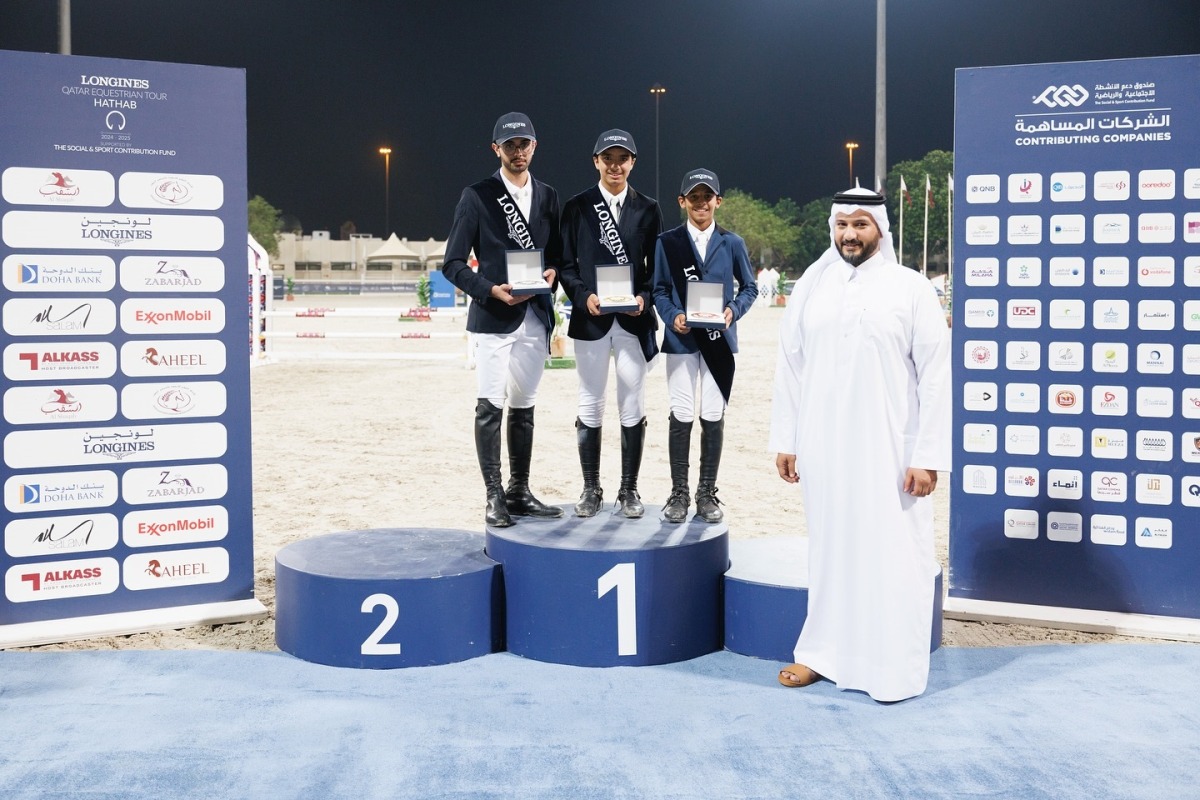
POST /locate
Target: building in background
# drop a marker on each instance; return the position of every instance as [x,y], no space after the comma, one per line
[362,258]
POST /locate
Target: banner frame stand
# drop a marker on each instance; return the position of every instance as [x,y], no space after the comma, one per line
[53,631]
[1085,620]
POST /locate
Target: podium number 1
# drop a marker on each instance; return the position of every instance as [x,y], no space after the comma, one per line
[621,578]
[372,646]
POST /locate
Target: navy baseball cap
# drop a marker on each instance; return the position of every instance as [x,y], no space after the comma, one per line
[513,125]
[697,177]
[615,138]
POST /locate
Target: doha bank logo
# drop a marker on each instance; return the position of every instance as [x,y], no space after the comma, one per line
[1062,96]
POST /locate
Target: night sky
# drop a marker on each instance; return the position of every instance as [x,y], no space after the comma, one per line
[765,92]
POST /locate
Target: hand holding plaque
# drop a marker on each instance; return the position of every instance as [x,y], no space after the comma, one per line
[525,268]
[614,287]
[705,304]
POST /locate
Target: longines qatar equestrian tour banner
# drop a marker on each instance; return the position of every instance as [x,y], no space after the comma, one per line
[126,424]
[1076,304]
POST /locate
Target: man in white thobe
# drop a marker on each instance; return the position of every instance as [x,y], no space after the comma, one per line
[861,419]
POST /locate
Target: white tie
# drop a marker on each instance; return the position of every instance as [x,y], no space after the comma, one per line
[702,246]
[616,210]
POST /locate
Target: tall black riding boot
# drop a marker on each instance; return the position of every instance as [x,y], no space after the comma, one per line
[487,447]
[589,461]
[520,500]
[679,446]
[712,435]
[633,439]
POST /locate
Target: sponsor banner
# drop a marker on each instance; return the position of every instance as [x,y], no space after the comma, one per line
[47,405]
[159,190]
[119,395]
[56,580]
[173,400]
[163,442]
[174,484]
[37,493]
[159,357]
[27,361]
[169,569]
[166,526]
[59,316]
[57,273]
[42,537]
[97,231]
[1081,185]
[57,186]
[154,315]
[172,274]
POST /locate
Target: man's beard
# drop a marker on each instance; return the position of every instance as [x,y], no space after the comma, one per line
[863,254]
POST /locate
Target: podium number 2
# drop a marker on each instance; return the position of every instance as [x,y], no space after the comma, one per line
[372,646]
[621,578]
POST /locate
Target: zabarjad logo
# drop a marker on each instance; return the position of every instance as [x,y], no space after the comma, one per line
[1062,96]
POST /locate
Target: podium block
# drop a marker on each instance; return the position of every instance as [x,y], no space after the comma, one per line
[610,591]
[766,597]
[388,597]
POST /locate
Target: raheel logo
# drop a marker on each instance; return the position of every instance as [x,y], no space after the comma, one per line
[158,357]
[168,569]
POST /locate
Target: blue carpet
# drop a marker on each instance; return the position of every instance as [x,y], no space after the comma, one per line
[1094,721]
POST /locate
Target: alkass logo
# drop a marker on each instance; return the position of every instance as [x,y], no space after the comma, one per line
[56,579]
[1062,96]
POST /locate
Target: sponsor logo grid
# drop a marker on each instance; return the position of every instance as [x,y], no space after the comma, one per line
[91,255]
[1066,312]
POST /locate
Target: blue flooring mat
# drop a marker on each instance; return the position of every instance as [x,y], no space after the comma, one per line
[1094,721]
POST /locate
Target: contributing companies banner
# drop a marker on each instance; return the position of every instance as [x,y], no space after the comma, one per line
[1076,305]
[125,425]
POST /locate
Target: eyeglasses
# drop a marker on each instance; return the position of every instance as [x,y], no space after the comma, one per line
[517,145]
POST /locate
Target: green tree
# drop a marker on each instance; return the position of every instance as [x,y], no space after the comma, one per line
[812,231]
[938,165]
[264,224]
[769,236]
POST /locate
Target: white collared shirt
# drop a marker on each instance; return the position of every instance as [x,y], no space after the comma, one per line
[619,198]
[700,237]
[522,194]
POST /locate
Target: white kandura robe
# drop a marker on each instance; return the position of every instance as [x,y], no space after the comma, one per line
[862,392]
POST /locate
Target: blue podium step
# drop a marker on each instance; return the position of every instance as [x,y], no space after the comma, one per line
[388,597]
[609,591]
[766,597]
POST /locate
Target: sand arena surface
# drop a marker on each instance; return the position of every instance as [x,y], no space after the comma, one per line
[346,445]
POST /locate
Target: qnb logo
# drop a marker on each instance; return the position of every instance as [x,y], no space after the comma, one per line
[1062,96]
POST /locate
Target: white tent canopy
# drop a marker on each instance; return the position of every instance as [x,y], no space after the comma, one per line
[393,250]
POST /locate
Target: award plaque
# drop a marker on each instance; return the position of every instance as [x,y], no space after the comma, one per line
[705,305]
[525,268]
[614,287]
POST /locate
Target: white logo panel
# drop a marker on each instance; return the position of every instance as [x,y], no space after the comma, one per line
[59,316]
[154,358]
[48,405]
[1064,484]
[164,570]
[40,537]
[1068,229]
[55,273]
[1024,272]
[1156,271]
[54,580]
[55,186]
[174,400]
[55,229]
[1024,229]
[60,448]
[983,188]
[1068,187]
[1158,228]
[1111,185]
[1020,523]
[986,272]
[1152,532]
[981,396]
[180,525]
[1064,526]
[175,484]
[1064,442]
[1153,490]
[158,190]
[153,315]
[979,479]
[1108,529]
[1156,184]
[60,491]
[1110,228]
[983,230]
[172,274]
[68,361]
